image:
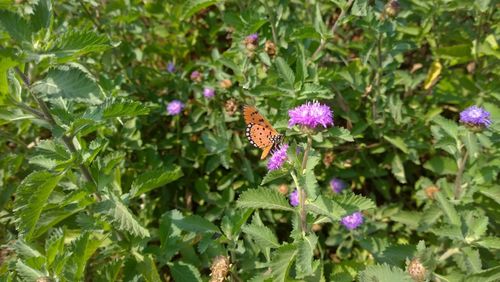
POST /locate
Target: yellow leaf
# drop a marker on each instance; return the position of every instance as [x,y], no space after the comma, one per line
[433,75]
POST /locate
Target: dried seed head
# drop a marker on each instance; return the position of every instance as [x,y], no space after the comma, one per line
[416,270]
[392,8]
[43,279]
[231,106]
[219,269]
[471,67]
[270,48]
[283,189]
[328,158]
[430,191]
[226,83]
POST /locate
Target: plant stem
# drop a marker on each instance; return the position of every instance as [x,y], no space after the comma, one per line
[47,116]
[302,210]
[448,253]
[273,22]
[323,42]
[458,179]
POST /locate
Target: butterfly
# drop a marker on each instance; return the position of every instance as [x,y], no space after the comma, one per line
[260,132]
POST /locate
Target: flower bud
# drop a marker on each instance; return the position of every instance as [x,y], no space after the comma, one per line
[270,48]
[231,106]
[283,189]
[219,269]
[416,270]
[392,8]
[226,83]
[430,191]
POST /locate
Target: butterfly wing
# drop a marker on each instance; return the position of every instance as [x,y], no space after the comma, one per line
[251,115]
[259,131]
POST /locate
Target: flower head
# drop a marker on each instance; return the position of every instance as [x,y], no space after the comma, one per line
[196,76]
[294,198]
[337,185]
[175,107]
[208,92]
[278,158]
[252,38]
[311,115]
[171,67]
[352,221]
[475,115]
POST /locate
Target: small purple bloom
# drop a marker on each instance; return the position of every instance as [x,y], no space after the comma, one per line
[337,185]
[294,198]
[278,158]
[311,115]
[175,107]
[208,92]
[195,75]
[252,38]
[475,115]
[171,67]
[352,221]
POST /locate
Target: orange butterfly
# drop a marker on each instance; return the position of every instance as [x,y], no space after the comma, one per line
[260,132]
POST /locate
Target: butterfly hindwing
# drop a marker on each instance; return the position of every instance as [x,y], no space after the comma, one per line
[259,131]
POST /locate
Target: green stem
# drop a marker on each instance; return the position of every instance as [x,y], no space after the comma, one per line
[302,210]
[458,179]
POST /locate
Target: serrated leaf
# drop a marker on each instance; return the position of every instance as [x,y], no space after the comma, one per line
[51,154]
[281,262]
[76,43]
[69,83]
[285,72]
[32,195]
[28,273]
[448,208]
[273,175]
[154,179]
[17,27]
[471,143]
[398,142]
[441,165]
[81,250]
[448,126]
[315,91]
[195,223]
[121,217]
[341,133]
[353,203]
[182,271]
[113,108]
[263,198]
[192,7]
[489,243]
[383,272]
[359,8]
[54,244]
[398,169]
[324,206]
[7,61]
[447,230]
[262,235]
[305,255]
[472,260]
[148,269]
[487,275]
[42,15]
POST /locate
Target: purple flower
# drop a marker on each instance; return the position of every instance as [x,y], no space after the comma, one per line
[475,115]
[174,107]
[196,75]
[208,92]
[252,38]
[278,158]
[352,221]
[294,198]
[311,115]
[171,67]
[337,185]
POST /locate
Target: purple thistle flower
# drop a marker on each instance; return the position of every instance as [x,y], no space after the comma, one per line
[278,158]
[171,67]
[294,198]
[252,38]
[196,75]
[208,92]
[311,115]
[352,221]
[175,107]
[337,185]
[475,115]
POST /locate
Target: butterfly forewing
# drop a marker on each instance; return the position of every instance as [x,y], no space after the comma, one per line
[259,131]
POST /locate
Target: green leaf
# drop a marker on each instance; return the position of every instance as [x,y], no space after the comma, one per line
[195,223]
[54,244]
[305,255]
[182,271]
[487,275]
[263,198]
[441,165]
[285,72]
[121,217]
[448,209]
[148,269]
[81,250]
[115,108]
[26,272]
[353,203]
[42,15]
[281,262]
[472,260]
[76,43]
[471,143]
[398,142]
[273,175]
[262,235]
[154,179]
[359,8]
[327,207]
[7,61]
[383,272]
[69,83]
[398,169]
[315,91]
[489,243]
[192,7]
[17,27]
[448,126]
[341,133]
[32,195]
[51,154]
